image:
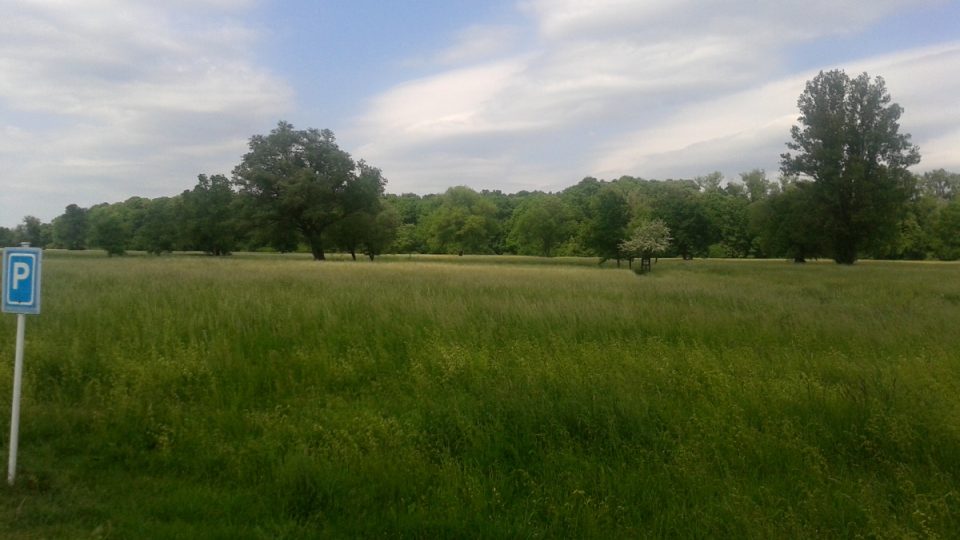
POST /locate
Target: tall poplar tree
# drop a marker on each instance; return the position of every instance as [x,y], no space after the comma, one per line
[848,142]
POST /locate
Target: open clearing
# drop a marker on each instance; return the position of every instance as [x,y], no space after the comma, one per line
[273,397]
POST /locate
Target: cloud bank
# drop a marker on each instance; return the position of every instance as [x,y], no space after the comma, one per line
[104,99]
[662,88]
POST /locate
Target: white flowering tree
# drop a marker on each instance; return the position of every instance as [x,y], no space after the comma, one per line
[648,240]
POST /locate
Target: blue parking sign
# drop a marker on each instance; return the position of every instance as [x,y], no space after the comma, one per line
[21,280]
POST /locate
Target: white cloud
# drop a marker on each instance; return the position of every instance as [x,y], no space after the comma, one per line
[740,131]
[654,89]
[942,152]
[115,98]
[455,103]
[708,134]
[785,20]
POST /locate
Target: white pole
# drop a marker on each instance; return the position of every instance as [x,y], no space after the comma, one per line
[15,416]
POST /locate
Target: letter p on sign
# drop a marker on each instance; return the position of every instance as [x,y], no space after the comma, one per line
[21,271]
[21,280]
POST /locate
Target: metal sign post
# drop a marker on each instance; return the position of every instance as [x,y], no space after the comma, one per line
[21,295]
[15,409]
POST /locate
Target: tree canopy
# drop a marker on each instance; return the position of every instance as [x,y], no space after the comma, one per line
[848,142]
[301,180]
[465,222]
[70,228]
[847,193]
[540,224]
[209,213]
[608,226]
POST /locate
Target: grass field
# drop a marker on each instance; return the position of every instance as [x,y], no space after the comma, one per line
[274,397]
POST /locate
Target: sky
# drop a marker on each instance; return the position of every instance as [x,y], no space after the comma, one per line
[103,100]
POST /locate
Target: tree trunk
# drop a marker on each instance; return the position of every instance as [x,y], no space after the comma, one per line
[845,244]
[353,254]
[314,239]
[845,252]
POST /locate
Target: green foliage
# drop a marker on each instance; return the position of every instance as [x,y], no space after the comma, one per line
[108,229]
[160,229]
[756,185]
[787,223]
[581,195]
[300,180]
[607,227]
[915,237]
[70,228]
[540,224]
[383,232]
[947,232]
[940,184]
[209,213]
[370,233]
[681,207]
[465,222]
[506,206]
[298,190]
[34,231]
[709,183]
[414,231]
[848,142]
[408,240]
[371,229]
[8,237]
[348,233]
[729,219]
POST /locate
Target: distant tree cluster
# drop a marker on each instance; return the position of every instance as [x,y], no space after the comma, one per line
[844,193]
[752,217]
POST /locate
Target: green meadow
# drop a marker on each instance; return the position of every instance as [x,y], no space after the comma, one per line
[268,396]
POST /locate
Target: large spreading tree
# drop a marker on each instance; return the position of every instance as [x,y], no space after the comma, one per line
[848,142]
[301,180]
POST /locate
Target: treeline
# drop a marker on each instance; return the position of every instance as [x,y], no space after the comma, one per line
[753,216]
[845,193]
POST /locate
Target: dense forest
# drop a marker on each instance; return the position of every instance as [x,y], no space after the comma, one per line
[751,217]
[844,191]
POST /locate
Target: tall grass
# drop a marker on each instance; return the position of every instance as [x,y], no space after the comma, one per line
[271,397]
